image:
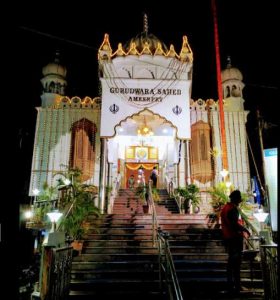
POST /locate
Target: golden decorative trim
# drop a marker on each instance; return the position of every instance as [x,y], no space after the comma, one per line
[137,114]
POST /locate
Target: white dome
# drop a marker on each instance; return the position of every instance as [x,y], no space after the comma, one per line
[231,73]
[54,69]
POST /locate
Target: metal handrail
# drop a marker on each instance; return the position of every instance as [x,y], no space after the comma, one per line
[172,194]
[116,187]
[269,259]
[167,266]
[151,204]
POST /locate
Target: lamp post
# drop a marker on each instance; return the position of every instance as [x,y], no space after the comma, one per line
[224,174]
[54,217]
[261,217]
[35,193]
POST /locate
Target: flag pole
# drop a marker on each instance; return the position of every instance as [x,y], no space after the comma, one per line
[220,91]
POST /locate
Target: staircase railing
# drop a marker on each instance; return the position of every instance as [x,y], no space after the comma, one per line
[171,192]
[269,259]
[166,264]
[55,278]
[152,209]
[167,268]
[114,192]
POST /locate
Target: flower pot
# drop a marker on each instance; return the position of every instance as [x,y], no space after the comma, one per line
[145,209]
[78,246]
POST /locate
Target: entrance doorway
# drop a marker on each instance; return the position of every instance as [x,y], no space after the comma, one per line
[132,169]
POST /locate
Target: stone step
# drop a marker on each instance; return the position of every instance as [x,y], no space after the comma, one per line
[119,243]
[117,257]
[117,294]
[119,236]
[114,274]
[129,266]
[119,250]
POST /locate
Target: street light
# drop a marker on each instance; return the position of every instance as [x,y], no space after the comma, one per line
[261,217]
[54,238]
[35,193]
[224,174]
[54,217]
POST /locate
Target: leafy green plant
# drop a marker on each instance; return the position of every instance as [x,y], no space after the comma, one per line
[189,193]
[155,194]
[141,191]
[220,197]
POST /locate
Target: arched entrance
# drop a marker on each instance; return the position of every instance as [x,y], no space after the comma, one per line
[143,140]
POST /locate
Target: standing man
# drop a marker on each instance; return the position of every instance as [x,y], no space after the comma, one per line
[233,237]
[154,176]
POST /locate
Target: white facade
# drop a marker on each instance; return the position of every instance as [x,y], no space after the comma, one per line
[143,85]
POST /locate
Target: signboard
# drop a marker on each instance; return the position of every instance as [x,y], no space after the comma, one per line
[123,98]
[270,161]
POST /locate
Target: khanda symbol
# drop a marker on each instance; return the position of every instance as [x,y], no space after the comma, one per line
[114,108]
[177,110]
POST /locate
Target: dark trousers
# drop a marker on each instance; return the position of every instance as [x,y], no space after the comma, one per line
[234,248]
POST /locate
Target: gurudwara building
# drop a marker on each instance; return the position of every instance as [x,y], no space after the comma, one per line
[143,117]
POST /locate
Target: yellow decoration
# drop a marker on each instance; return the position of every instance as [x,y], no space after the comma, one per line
[153,153]
[172,52]
[133,50]
[146,49]
[186,52]
[159,50]
[105,50]
[130,153]
[141,152]
[119,51]
[137,166]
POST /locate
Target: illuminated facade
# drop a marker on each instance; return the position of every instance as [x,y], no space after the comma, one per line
[144,117]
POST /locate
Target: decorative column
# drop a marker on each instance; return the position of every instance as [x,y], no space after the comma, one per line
[187,162]
[102,175]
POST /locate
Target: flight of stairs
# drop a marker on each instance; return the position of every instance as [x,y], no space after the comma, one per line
[120,262]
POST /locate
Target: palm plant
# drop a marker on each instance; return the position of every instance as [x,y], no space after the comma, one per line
[190,194]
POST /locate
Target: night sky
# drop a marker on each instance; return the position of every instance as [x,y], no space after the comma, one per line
[247,32]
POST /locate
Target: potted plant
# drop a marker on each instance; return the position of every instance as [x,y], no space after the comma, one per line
[190,195]
[220,196]
[143,194]
[82,202]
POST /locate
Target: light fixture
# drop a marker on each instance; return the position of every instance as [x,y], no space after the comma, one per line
[35,192]
[144,130]
[54,217]
[228,184]
[224,173]
[28,214]
[67,181]
[261,217]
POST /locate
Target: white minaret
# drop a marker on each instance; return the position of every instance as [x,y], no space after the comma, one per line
[232,88]
[53,82]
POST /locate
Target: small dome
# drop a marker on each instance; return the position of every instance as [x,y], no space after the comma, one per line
[231,73]
[143,38]
[55,68]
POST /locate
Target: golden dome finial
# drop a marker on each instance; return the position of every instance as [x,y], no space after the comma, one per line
[146,49]
[105,50]
[172,52]
[186,52]
[132,50]
[159,50]
[145,24]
